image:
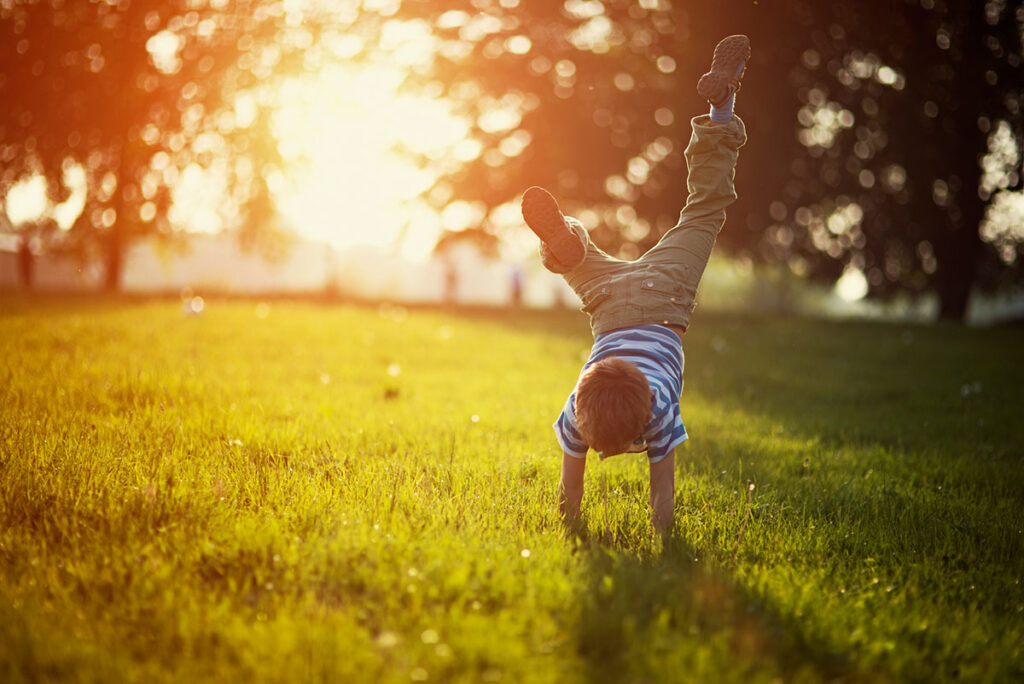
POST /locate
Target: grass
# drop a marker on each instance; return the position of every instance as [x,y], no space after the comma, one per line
[302,492]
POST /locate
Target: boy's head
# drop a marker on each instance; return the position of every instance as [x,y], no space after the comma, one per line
[613,405]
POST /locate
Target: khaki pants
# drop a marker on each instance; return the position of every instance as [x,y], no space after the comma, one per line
[660,286]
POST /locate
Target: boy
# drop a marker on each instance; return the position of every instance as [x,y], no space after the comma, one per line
[627,395]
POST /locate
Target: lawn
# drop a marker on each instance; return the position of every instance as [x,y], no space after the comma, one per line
[293,491]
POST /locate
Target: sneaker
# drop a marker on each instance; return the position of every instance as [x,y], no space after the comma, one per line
[542,215]
[727,67]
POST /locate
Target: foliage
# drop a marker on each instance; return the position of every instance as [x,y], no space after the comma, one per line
[896,122]
[127,97]
[284,491]
[867,122]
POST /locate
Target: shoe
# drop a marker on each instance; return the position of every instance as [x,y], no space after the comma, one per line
[542,215]
[727,67]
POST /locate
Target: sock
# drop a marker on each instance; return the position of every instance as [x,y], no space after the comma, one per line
[723,113]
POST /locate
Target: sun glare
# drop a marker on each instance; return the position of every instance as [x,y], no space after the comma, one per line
[359,154]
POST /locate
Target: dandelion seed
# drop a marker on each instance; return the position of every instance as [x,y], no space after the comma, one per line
[412,572]
[430,636]
[325,379]
[394,370]
[475,418]
[525,553]
[269,586]
[476,605]
[235,442]
[750,487]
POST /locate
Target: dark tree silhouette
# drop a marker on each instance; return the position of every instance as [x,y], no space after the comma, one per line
[867,122]
[898,103]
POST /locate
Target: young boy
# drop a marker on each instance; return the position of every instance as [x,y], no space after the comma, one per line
[627,395]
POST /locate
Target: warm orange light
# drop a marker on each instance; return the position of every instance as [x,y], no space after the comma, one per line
[350,141]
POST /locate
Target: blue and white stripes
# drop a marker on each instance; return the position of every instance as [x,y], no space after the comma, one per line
[658,353]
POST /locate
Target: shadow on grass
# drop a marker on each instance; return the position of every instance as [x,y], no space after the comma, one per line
[670,614]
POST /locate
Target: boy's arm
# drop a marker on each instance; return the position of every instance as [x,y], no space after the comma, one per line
[570,488]
[663,490]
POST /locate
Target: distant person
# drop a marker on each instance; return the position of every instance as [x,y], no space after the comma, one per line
[517,286]
[451,282]
[627,395]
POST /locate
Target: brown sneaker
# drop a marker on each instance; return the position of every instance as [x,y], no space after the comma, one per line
[542,215]
[727,67]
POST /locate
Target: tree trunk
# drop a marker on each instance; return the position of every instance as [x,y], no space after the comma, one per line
[960,249]
[26,262]
[113,261]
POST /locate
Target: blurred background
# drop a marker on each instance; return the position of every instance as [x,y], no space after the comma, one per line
[377,149]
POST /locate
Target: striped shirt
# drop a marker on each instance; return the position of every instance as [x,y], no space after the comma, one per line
[658,353]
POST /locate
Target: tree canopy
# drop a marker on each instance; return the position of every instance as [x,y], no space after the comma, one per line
[884,135]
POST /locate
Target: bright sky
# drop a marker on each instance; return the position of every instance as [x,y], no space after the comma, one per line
[342,132]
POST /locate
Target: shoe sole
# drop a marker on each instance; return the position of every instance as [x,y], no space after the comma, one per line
[540,210]
[729,54]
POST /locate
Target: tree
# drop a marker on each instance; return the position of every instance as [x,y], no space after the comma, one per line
[896,116]
[866,121]
[132,94]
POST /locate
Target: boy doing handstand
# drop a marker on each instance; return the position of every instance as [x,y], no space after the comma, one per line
[627,395]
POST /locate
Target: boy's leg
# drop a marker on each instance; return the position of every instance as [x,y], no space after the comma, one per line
[564,243]
[683,252]
[711,159]
[565,247]
[663,488]
[570,488]
[562,248]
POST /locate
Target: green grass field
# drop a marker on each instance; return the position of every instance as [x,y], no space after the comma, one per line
[307,492]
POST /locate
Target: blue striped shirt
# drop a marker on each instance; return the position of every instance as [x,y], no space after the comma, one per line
[658,353]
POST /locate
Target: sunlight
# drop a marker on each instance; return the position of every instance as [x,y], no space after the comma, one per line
[359,154]
[852,285]
[26,200]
